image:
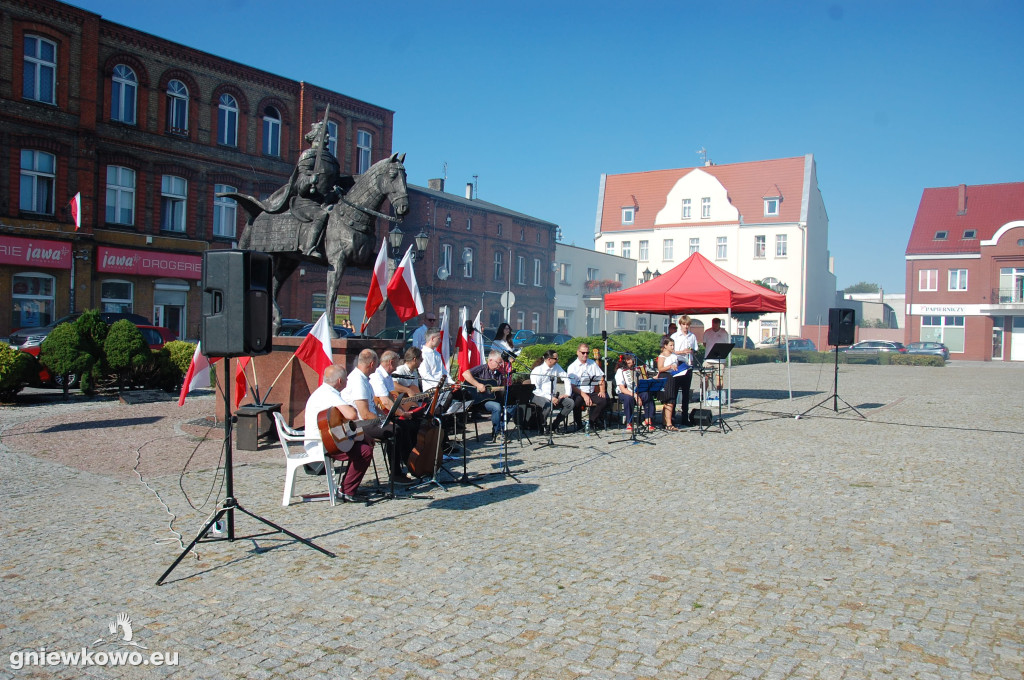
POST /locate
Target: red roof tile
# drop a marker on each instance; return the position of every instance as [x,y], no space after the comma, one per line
[988,207]
[745,184]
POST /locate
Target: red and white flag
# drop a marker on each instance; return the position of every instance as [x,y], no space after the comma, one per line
[75,204]
[315,350]
[446,345]
[198,375]
[469,353]
[241,382]
[403,292]
[478,336]
[378,288]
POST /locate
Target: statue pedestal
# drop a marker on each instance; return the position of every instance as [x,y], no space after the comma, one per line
[297,380]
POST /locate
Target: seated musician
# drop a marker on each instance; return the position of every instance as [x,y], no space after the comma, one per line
[361,453]
[406,375]
[384,394]
[484,377]
[433,372]
[626,378]
[359,393]
[588,385]
[545,377]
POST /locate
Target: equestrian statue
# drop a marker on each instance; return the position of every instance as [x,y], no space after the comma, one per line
[323,217]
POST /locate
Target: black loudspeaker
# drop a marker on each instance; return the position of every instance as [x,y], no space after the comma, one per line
[238,316]
[842,322]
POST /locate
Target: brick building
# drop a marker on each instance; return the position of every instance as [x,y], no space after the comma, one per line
[147,131]
[965,271]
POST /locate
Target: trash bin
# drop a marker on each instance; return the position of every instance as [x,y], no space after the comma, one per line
[253,422]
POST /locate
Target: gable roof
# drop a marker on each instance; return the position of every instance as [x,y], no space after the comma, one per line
[745,184]
[988,207]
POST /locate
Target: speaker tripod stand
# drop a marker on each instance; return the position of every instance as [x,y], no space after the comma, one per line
[835,394]
[231,504]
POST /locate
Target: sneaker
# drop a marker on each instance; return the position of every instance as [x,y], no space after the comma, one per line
[629,427]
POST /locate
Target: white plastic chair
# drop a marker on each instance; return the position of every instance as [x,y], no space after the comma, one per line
[296,459]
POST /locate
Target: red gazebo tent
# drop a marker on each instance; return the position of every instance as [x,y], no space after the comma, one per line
[698,286]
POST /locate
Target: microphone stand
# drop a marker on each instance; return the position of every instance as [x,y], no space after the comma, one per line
[465,479]
[637,407]
[552,380]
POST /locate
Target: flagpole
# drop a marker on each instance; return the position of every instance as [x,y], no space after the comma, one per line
[271,388]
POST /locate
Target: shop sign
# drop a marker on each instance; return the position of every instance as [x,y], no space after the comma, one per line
[28,252]
[148,263]
[945,310]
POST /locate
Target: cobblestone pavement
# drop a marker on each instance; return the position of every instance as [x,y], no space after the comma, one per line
[823,547]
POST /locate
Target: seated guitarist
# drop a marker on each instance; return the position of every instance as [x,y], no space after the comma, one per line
[384,391]
[406,375]
[483,377]
[361,453]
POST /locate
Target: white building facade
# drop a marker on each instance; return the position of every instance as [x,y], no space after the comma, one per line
[763,220]
[579,308]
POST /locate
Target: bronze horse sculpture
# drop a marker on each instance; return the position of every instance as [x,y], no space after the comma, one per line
[349,238]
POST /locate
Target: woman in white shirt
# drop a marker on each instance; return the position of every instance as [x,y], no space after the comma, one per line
[667,363]
[625,384]
[503,339]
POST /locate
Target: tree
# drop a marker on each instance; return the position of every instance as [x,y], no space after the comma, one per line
[862,287]
[63,355]
[125,349]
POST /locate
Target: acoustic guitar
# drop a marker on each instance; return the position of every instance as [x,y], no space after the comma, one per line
[336,431]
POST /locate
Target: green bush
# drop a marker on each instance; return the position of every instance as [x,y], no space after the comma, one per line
[15,371]
[63,355]
[93,333]
[125,350]
[180,354]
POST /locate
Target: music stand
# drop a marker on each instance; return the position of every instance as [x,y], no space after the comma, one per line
[719,352]
[644,387]
[552,380]
[391,459]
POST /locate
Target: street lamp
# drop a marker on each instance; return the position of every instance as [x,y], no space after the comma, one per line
[780,288]
[395,237]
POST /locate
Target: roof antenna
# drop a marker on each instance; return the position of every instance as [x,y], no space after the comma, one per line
[702,154]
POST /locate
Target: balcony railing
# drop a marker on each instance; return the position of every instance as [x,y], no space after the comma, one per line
[1008,296]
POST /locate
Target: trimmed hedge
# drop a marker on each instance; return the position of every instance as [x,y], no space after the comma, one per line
[15,371]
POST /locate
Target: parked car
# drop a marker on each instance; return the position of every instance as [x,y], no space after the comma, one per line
[156,336]
[29,339]
[933,348]
[874,347]
[290,326]
[551,339]
[799,345]
[339,331]
[771,342]
[523,337]
[397,332]
[742,342]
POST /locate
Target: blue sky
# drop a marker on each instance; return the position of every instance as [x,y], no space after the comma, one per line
[538,99]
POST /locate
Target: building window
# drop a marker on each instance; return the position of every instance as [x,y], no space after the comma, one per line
[116,296]
[627,248]
[40,70]
[609,247]
[627,215]
[499,228]
[536,272]
[38,173]
[364,150]
[667,247]
[173,194]
[123,86]
[641,322]
[957,279]
[467,260]
[522,233]
[469,224]
[120,195]
[694,245]
[177,107]
[535,322]
[970,233]
[759,247]
[565,273]
[1011,284]
[446,257]
[644,248]
[928,279]
[520,319]
[225,211]
[620,319]
[941,235]
[227,121]
[520,270]
[31,300]
[948,330]
[499,258]
[705,208]
[332,138]
[771,207]
[538,238]
[781,245]
[687,214]
[563,320]
[592,274]
[722,250]
[271,132]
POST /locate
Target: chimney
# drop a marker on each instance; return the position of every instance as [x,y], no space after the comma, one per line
[436,184]
[469,190]
[961,200]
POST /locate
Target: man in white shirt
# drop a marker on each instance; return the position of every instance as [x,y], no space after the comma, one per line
[545,377]
[712,336]
[359,393]
[383,386]
[433,372]
[684,342]
[407,375]
[588,385]
[419,336]
[361,453]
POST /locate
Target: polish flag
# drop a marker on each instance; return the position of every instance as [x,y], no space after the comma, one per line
[378,289]
[198,375]
[241,382]
[76,210]
[469,353]
[403,292]
[446,345]
[315,350]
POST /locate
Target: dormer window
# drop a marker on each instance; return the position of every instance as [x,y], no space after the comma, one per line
[971,233]
[941,235]
[628,214]
[771,207]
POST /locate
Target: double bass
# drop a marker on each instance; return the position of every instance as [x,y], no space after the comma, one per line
[426,455]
